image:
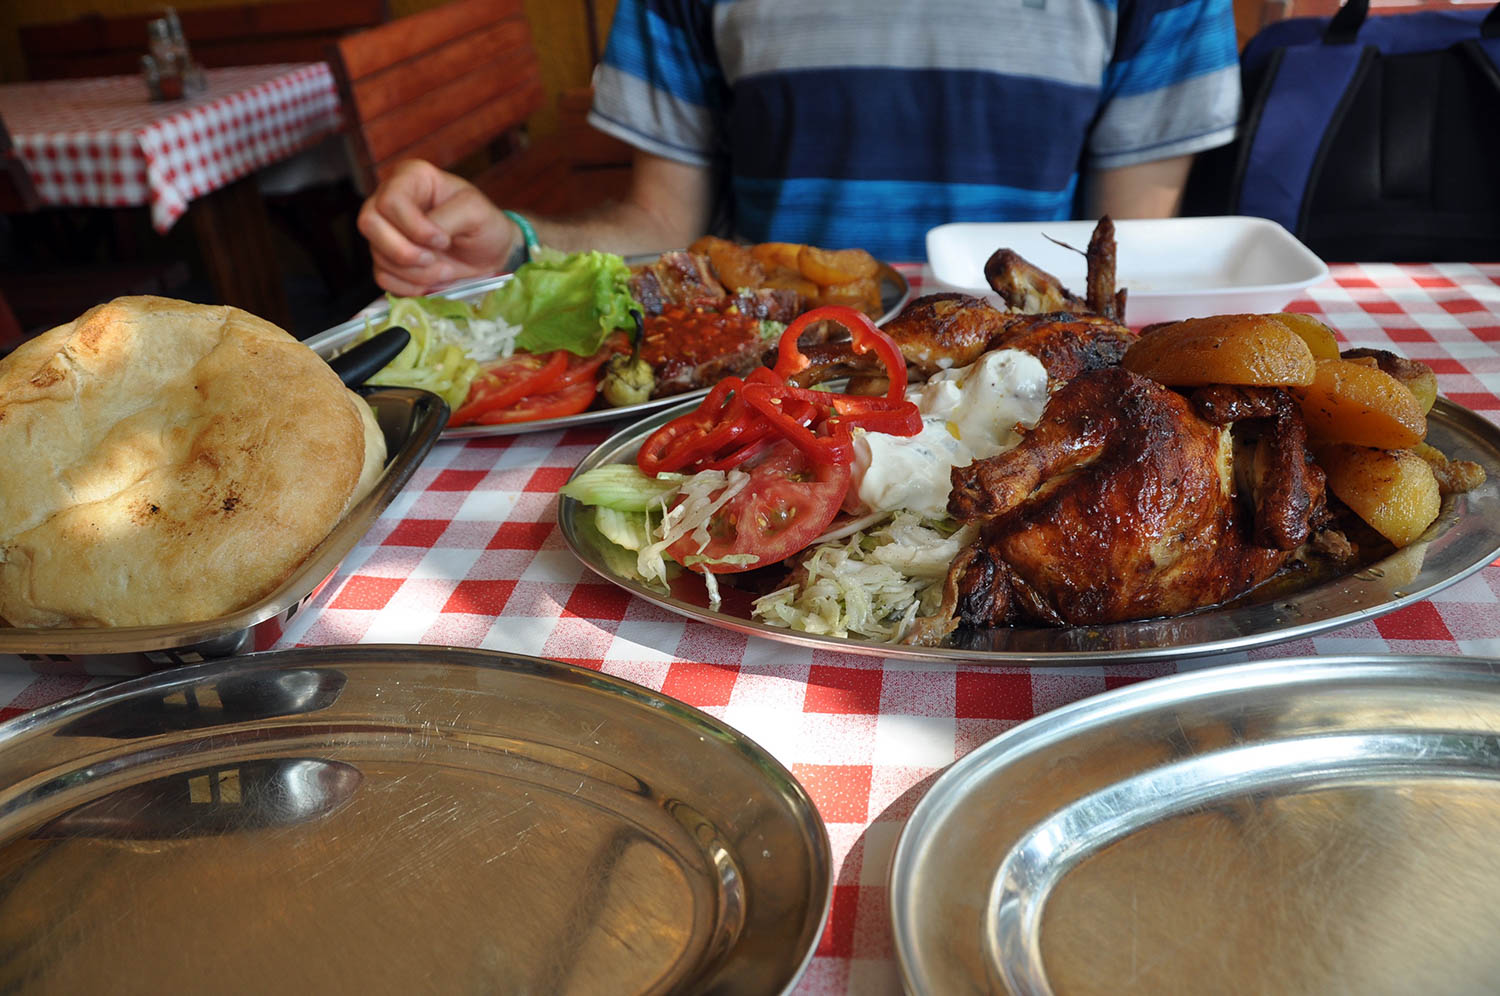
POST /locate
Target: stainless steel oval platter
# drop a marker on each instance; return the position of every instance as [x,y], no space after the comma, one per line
[895,291]
[1325,825]
[1465,537]
[399,819]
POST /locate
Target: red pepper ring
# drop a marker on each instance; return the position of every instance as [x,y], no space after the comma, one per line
[672,446]
[873,414]
[835,448]
[863,334]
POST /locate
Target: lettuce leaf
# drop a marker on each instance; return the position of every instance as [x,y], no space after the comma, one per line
[567,302]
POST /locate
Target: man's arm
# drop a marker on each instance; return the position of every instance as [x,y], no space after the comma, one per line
[427,227]
[1145,190]
[667,207]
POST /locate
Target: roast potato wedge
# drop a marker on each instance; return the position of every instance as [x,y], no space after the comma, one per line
[826,267]
[1416,375]
[1319,337]
[781,279]
[735,266]
[777,255]
[1394,491]
[1350,402]
[1453,476]
[1241,350]
[862,295]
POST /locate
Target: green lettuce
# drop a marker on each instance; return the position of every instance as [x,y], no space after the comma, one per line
[566,301]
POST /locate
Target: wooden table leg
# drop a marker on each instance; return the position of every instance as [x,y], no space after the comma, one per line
[234,236]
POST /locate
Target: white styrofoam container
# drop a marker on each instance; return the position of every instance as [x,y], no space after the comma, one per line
[1174,267]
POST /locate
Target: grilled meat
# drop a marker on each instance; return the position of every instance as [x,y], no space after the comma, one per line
[682,278]
[1119,505]
[774,303]
[1278,476]
[693,349]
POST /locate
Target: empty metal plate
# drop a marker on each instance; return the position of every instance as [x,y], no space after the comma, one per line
[1327,825]
[399,819]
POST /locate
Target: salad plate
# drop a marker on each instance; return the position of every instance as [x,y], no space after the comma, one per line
[895,291]
[1464,538]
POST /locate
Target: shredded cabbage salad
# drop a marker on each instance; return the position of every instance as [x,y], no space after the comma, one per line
[872,577]
[873,584]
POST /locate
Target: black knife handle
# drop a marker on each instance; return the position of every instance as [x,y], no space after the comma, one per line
[357,365]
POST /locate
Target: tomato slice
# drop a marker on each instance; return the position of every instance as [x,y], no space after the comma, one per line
[584,367]
[568,400]
[507,381]
[788,503]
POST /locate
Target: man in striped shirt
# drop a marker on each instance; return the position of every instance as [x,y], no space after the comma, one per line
[859,123]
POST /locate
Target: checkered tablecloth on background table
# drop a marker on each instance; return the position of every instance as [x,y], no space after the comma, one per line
[469,555]
[100,142]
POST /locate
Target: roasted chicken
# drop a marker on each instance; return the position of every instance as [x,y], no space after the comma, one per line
[945,330]
[940,331]
[1027,288]
[1122,504]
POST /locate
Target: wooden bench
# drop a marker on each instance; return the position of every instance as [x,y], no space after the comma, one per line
[239,35]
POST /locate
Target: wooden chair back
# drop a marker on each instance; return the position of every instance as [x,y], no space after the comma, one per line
[439,85]
[238,35]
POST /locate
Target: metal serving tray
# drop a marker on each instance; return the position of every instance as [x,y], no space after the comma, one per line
[895,291]
[1310,826]
[410,420]
[1465,537]
[400,820]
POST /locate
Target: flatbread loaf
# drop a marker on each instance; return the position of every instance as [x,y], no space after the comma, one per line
[168,462]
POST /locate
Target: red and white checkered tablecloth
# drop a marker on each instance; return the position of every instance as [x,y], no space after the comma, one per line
[469,554]
[101,142]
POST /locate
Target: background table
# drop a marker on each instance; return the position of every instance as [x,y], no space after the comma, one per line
[101,142]
[470,555]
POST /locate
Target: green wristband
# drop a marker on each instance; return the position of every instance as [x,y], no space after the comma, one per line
[528,234]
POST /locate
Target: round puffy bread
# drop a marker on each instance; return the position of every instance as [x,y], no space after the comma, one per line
[167,462]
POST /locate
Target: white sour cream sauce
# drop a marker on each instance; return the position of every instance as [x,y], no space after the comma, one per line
[968,413]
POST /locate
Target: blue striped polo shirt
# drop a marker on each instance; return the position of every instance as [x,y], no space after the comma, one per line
[866,122]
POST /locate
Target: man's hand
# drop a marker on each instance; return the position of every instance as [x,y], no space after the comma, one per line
[427,227]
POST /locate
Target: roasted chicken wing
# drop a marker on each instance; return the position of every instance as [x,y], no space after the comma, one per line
[1028,288]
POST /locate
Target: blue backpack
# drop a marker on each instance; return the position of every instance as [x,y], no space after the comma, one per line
[1372,139]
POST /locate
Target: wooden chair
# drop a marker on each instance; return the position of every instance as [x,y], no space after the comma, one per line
[239,35]
[453,81]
